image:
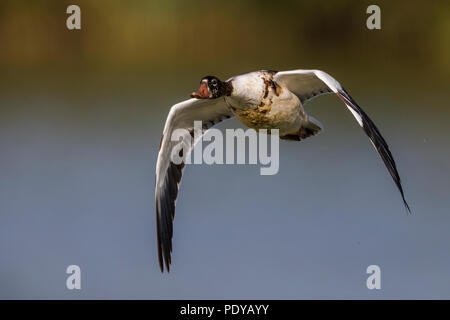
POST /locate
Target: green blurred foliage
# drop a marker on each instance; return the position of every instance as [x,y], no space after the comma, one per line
[184,35]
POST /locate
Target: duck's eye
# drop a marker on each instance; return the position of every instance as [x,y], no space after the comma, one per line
[214,81]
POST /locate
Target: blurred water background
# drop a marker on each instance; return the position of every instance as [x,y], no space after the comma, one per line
[81,116]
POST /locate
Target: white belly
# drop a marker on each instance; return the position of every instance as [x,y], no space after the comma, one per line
[261,104]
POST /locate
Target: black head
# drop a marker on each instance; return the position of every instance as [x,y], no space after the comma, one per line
[211,88]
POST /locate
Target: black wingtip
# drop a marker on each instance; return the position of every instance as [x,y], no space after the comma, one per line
[402,193]
[377,140]
[163,257]
[158,235]
[407,206]
[165,198]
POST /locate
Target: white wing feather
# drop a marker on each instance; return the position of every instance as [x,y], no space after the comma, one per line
[168,174]
[308,84]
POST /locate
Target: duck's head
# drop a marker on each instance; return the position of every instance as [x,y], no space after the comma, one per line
[211,88]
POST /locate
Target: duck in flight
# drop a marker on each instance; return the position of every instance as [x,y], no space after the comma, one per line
[261,100]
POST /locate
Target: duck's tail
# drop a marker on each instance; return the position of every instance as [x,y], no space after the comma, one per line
[310,127]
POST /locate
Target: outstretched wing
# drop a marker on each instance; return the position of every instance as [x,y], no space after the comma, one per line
[168,172]
[308,84]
